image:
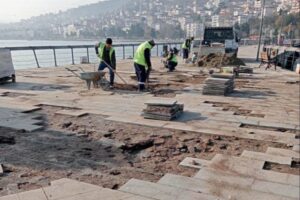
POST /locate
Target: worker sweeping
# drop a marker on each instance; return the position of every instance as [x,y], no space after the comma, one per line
[172,60]
[142,63]
[107,56]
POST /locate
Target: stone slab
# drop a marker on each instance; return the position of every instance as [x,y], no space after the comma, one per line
[68,189]
[10,197]
[223,177]
[277,189]
[105,194]
[194,163]
[161,192]
[222,190]
[282,152]
[33,195]
[72,113]
[238,166]
[161,102]
[266,157]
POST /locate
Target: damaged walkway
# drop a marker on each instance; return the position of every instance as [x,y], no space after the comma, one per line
[63,130]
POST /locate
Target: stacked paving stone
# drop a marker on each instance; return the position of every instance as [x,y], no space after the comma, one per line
[219,85]
[165,110]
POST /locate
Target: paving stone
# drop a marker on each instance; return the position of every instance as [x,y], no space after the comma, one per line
[32,195]
[220,189]
[73,113]
[221,176]
[10,197]
[282,152]
[161,192]
[276,125]
[277,189]
[105,194]
[238,166]
[161,102]
[68,189]
[194,163]
[266,157]
[296,148]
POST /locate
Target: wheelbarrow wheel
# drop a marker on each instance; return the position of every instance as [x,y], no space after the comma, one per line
[104,84]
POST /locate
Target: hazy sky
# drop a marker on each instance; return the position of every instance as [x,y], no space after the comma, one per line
[14,10]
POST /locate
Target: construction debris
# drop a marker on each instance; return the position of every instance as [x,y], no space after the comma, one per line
[219,84]
[165,110]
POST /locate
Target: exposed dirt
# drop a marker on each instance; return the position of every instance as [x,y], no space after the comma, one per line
[106,153]
[216,61]
[236,109]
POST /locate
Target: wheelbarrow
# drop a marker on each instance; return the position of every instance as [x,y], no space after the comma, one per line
[97,78]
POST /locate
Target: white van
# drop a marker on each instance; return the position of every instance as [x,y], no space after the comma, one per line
[7,71]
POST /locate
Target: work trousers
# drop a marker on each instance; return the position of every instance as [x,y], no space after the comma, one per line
[102,66]
[141,75]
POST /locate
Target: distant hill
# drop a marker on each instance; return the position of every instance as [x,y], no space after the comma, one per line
[86,11]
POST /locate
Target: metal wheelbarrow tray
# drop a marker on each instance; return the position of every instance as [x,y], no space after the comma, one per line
[89,77]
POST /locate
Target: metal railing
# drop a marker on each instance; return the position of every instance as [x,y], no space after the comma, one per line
[69,54]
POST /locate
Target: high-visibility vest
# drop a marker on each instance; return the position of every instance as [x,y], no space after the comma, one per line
[174,59]
[101,51]
[184,46]
[139,56]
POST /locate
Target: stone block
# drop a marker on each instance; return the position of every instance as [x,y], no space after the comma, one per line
[161,192]
[72,113]
[218,189]
[282,152]
[266,157]
[194,163]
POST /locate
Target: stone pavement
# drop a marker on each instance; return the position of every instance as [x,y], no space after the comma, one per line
[272,104]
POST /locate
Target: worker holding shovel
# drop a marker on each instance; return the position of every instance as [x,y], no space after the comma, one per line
[107,56]
[142,63]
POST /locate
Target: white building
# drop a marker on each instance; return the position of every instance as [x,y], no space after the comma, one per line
[194,30]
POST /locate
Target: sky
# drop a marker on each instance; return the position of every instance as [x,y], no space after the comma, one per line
[15,10]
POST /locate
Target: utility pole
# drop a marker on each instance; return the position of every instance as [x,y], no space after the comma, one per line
[261,27]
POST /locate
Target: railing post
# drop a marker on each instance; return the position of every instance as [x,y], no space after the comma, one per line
[36,59]
[72,52]
[54,54]
[132,51]
[88,54]
[124,56]
[157,50]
